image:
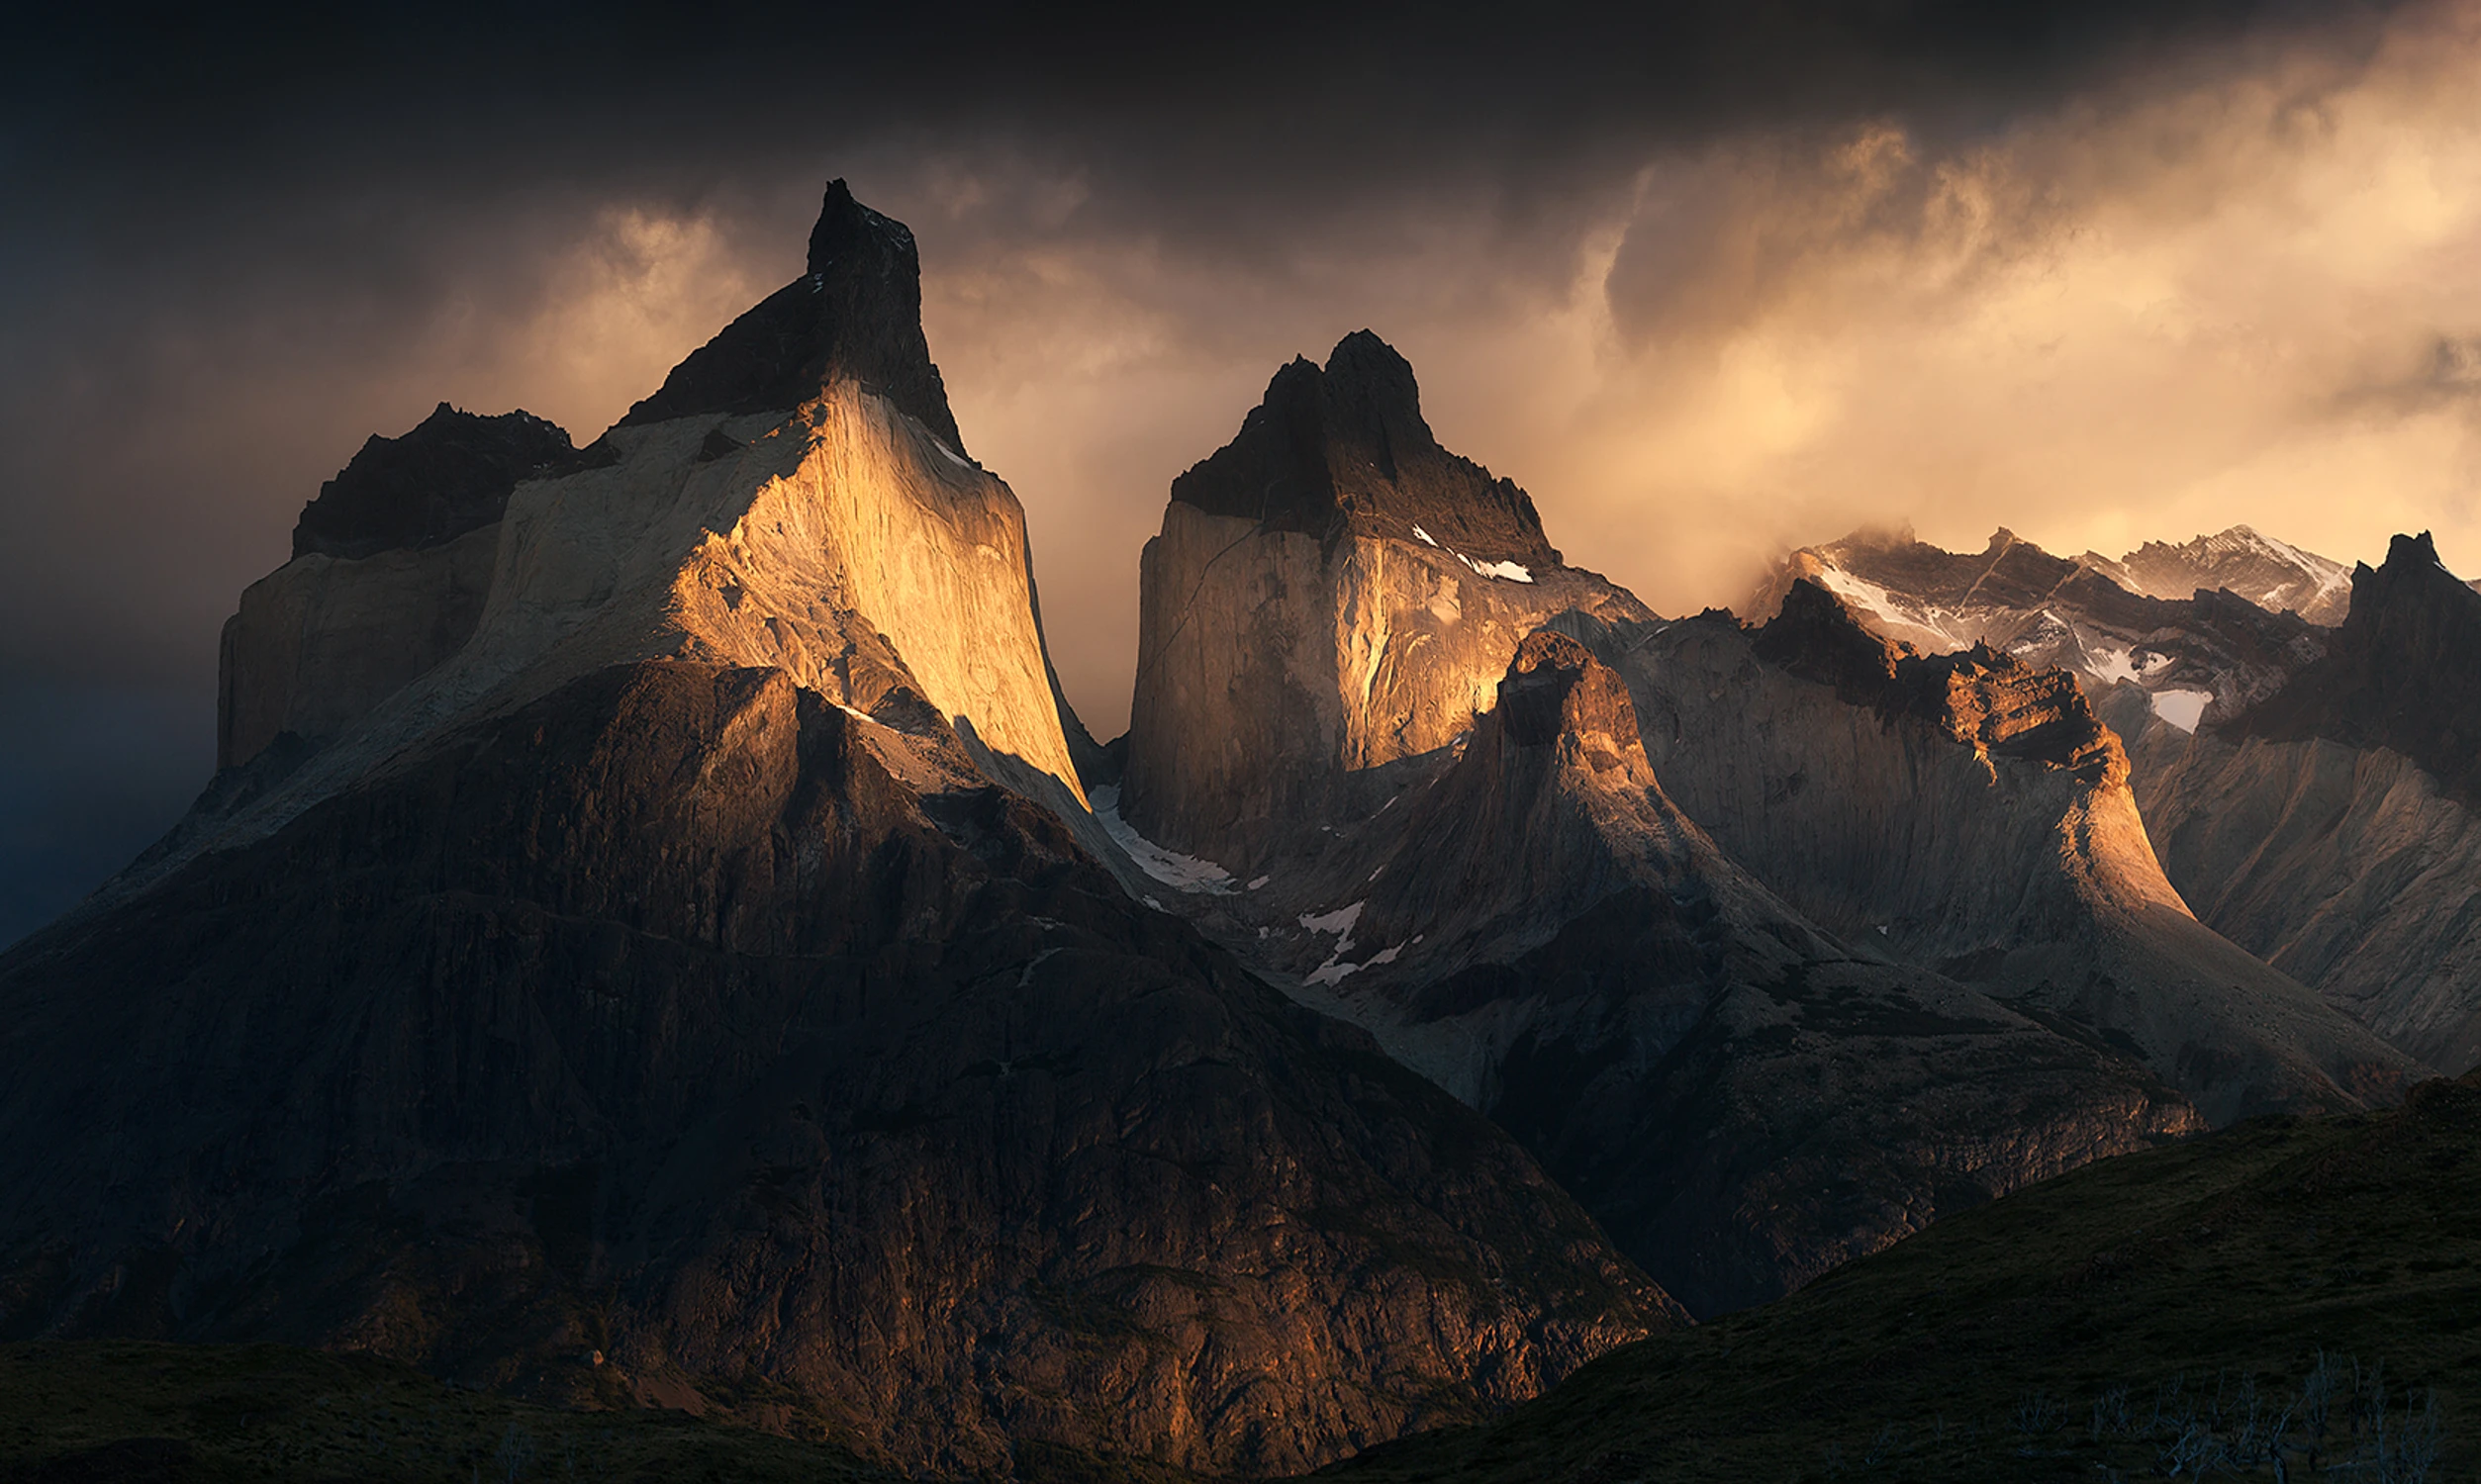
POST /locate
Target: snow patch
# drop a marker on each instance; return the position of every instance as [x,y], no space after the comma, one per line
[1332,973]
[1513,572]
[2111,664]
[2182,709]
[1504,570]
[1340,920]
[1386,954]
[1890,607]
[1260,881]
[1170,866]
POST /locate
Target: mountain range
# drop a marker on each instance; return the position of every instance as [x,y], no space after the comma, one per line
[659,935]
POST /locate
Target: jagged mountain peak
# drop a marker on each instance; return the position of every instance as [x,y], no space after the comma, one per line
[2398,673]
[854,313]
[452,473]
[1555,687]
[1342,447]
[2412,592]
[2406,556]
[851,233]
[2273,574]
[1981,697]
[1815,637]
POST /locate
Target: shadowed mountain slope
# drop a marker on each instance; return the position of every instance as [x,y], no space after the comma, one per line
[2332,828]
[1741,1100]
[1970,814]
[701,965]
[1412,806]
[2307,788]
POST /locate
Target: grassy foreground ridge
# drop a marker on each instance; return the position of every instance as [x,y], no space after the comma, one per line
[2301,1289]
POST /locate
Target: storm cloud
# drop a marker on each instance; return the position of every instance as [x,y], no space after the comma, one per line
[1706,282]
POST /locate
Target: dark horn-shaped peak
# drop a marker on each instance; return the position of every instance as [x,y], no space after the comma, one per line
[855,313]
[1344,448]
[2399,673]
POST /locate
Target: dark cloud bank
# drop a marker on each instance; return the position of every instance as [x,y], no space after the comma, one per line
[230,251]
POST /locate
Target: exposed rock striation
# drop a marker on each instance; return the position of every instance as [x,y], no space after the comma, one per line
[1741,1100]
[2331,828]
[1331,593]
[683,1015]
[1970,814]
[2150,657]
[2273,575]
[703,964]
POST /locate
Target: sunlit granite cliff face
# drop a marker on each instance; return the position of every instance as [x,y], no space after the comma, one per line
[391,566]
[700,986]
[1331,592]
[1360,758]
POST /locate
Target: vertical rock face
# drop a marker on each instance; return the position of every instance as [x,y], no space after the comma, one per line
[1421,810]
[699,964]
[1971,815]
[321,641]
[1331,593]
[1740,1100]
[391,565]
[2399,675]
[2331,828]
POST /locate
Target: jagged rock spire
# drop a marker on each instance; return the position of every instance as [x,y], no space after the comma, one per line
[2399,673]
[451,474]
[855,312]
[1344,447]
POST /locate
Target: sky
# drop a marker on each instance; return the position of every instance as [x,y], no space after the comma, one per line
[1708,281]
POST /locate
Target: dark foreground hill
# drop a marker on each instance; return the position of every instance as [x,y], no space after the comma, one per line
[2308,1287]
[136,1413]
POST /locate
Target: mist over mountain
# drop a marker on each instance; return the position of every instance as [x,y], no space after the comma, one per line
[657,927]
[276,240]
